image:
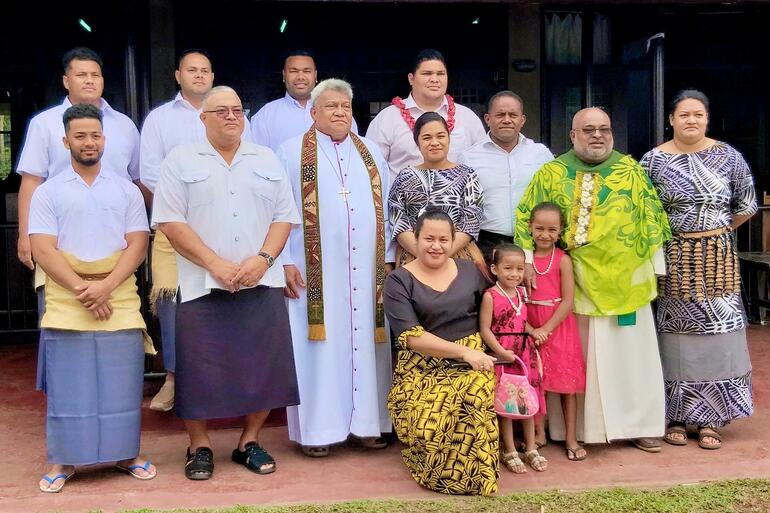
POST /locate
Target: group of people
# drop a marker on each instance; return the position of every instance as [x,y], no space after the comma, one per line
[289,250]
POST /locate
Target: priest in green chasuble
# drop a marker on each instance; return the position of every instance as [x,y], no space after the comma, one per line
[614,231]
[335,270]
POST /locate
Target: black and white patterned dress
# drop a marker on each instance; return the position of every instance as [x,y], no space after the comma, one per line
[456,191]
[700,316]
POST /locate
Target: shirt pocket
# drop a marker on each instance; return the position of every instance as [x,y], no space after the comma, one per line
[199,186]
[265,185]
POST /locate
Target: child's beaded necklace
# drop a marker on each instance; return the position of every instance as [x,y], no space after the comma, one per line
[516,309]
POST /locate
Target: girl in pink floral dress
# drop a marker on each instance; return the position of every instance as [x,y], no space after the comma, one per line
[503,310]
[555,326]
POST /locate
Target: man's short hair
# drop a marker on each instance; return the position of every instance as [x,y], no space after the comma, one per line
[331,84]
[504,94]
[428,54]
[81,111]
[298,53]
[215,90]
[80,53]
[191,51]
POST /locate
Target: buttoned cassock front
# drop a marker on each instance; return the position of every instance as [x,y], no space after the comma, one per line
[166,127]
[44,154]
[280,120]
[504,176]
[230,207]
[343,380]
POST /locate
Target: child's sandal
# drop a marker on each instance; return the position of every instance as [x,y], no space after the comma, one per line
[513,462]
[535,460]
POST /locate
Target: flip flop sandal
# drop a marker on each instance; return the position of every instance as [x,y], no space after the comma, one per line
[133,470]
[513,462]
[52,480]
[535,460]
[708,432]
[573,456]
[255,458]
[676,429]
[315,451]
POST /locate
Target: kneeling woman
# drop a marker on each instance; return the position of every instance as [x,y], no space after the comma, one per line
[443,414]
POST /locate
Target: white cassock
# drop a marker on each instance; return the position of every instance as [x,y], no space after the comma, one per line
[343,380]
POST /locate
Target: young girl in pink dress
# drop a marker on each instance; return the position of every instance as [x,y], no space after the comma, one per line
[555,327]
[503,310]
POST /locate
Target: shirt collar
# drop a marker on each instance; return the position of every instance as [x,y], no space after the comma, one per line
[70,175]
[523,141]
[411,104]
[322,137]
[182,101]
[206,148]
[103,105]
[290,100]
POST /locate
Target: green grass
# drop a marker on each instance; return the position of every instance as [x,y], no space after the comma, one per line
[742,496]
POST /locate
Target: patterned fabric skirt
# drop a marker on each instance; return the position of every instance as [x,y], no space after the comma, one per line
[707,378]
[446,418]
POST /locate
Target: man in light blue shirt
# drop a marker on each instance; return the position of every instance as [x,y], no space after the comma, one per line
[288,117]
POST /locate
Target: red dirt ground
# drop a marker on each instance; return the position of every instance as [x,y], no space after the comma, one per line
[348,473]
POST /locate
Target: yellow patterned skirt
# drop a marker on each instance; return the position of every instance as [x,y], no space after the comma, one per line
[446,418]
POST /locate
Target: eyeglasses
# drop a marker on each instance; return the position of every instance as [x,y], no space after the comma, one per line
[603,131]
[223,112]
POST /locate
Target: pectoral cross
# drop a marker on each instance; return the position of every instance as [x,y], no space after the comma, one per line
[344,192]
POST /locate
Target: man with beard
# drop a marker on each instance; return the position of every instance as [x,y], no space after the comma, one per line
[287,117]
[88,230]
[614,231]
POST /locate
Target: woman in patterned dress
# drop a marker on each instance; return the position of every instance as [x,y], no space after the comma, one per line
[437,182]
[707,190]
[442,412]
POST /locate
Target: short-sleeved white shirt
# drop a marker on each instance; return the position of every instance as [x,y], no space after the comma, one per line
[44,154]
[282,119]
[167,126]
[504,177]
[230,207]
[396,140]
[91,222]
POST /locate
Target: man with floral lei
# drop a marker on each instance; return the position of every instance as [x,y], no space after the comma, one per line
[614,230]
[392,128]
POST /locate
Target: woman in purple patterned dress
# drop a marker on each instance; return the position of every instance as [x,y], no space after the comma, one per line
[437,182]
[707,190]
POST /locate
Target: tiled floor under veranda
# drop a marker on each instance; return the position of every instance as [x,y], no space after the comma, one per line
[349,473]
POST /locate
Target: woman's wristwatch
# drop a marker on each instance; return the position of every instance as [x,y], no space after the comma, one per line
[266,256]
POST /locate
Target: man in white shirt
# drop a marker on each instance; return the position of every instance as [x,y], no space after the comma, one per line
[43,156]
[335,286]
[167,126]
[226,207]
[505,162]
[88,229]
[287,117]
[392,128]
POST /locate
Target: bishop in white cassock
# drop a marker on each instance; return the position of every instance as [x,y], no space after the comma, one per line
[337,259]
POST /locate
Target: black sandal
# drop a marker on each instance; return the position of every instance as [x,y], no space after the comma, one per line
[254,458]
[200,464]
